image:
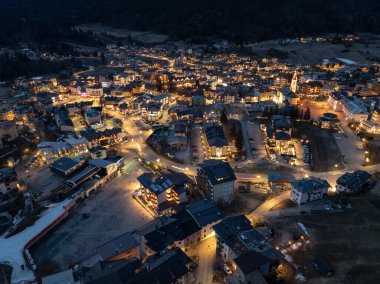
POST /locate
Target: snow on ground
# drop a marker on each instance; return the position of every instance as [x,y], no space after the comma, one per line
[11,249]
[303,228]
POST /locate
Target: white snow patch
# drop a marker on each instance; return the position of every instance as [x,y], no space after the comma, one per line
[300,277]
[303,228]
[11,249]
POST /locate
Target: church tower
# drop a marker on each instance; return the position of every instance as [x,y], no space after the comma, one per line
[293,84]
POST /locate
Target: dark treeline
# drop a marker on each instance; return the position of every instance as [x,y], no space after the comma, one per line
[13,66]
[240,20]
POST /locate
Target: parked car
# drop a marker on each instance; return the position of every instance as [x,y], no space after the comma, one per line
[227,269]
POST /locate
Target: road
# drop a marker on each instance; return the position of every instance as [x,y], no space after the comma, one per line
[268,205]
[206,251]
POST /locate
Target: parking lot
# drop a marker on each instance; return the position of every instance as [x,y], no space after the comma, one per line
[103,216]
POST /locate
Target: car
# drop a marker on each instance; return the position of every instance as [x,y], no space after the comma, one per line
[327,207]
[239,166]
[227,269]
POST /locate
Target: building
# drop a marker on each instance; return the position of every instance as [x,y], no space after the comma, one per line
[372,125]
[71,147]
[280,181]
[294,82]
[165,193]
[65,166]
[249,255]
[104,138]
[93,118]
[66,276]
[6,113]
[216,179]
[184,229]
[8,180]
[122,247]
[335,101]
[151,111]
[352,182]
[215,142]
[354,111]
[179,230]
[308,189]
[8,129]
[94,91]
[206,215]
[328,120]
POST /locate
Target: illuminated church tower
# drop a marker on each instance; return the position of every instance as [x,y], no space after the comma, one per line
[293,84]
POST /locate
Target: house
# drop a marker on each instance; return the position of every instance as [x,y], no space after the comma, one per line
[279,135]
[179,230]
[335,101]
[94,91]
[98,152]
[308,189]
[122,247]
[63,121]
[8,129]
[248,254]
[104,138]
[8,180]
[100,272]
[216,179]
[352,182]
[165,193]
[170,266]
[372,125]
[280,181]
[67,147]
[216,144]
[151,111]
[206,215]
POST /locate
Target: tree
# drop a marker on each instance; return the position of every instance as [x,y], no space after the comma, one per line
[300,114]
[103,58]
[239,141]
[266,112]
[233,131]
[307,114]
[223,117]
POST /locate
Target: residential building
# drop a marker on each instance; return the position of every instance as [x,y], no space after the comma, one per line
[8,129]
[352,182]
[280,181]
[124,246]
[8,180]
[308,189]
[94,91]
[71,147]
[216,179]
[248,254]
[215,142]
[151,111]
[165,193]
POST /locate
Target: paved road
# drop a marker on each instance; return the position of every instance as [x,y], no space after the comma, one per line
[268,205]
[206,250]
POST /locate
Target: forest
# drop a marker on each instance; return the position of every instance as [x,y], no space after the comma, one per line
[196,20]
